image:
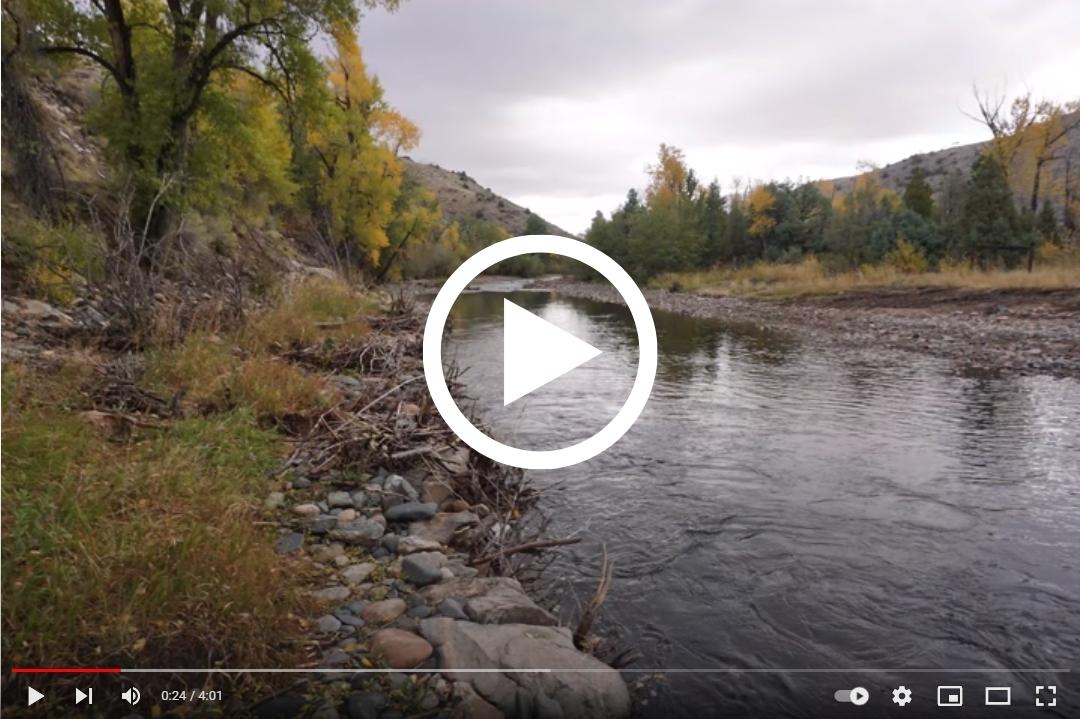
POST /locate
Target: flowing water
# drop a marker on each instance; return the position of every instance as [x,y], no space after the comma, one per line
[783,505]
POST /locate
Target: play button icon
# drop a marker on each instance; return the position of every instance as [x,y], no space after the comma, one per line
[33,696]
[536,352]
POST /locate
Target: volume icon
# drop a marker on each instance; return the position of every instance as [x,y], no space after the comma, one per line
[131,696]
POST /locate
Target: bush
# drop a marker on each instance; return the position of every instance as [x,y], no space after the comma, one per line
[906,258]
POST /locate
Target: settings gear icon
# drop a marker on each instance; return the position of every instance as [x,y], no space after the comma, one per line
[901,695]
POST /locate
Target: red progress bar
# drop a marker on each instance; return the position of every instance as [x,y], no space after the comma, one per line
[66,670]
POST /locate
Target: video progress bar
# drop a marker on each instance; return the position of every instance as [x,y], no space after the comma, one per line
[539,670]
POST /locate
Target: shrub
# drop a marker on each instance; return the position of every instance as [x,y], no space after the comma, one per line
[906,258]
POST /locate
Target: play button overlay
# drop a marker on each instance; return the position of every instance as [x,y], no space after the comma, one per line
[536,352]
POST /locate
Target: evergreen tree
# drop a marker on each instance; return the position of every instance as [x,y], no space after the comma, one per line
[991,223]
[918,196]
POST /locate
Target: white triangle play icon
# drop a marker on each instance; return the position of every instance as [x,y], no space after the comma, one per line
[536,352]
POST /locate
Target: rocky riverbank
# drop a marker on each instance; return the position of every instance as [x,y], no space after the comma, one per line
[406,533]
[1016,332]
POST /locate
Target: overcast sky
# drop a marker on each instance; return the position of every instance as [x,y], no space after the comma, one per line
[560,105]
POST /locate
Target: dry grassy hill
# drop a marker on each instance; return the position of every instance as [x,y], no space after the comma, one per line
[940,164]
[462,198]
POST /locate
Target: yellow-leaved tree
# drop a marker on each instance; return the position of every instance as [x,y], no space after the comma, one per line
[761,203]
[357,144]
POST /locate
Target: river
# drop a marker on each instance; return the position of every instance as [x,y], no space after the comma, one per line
[788,519]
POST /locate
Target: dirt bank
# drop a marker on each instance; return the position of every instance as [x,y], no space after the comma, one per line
[1020,332]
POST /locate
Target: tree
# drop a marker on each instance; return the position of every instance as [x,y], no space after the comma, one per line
[670,181]
[361,176]
[535,225]
[918,196]
[762,221]
[991,222]
[161,58]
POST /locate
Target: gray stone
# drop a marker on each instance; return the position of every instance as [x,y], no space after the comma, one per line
[423,568]
[420,611]
[274,500]
[349,619]
[360,498]
[321,525]
[442,527]
[364,705]
[383,612]
[301,483]
[363,531]
[339,499]
[306,510]
[506,603]
[327,552]
[291,542]
[357,606]
[328,624]
[396,490]
[331,594]
[411,544]
[410,512]
[587,687]
[334,657]
[391,541]
[381,553]
[452,608]
[357,573]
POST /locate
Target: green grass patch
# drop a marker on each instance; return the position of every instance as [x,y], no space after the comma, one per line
[139,553]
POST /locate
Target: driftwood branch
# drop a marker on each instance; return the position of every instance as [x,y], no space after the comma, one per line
[592,609]
[527,547]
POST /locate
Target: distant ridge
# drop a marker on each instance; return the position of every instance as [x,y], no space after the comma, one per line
[464,199]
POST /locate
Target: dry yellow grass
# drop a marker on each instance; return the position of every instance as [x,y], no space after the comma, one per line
[313,310]
[810,277]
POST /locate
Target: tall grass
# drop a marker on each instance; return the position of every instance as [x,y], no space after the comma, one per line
[1055,269]
[147,550]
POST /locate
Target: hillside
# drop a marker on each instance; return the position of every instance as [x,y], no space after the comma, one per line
[938,165]
[462,198]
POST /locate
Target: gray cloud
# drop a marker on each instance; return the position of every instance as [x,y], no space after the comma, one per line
[560,105]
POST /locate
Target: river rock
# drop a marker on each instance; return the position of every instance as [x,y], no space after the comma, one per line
[442,526]
[307,509]
[339,499]
[328,624]
[346,515]
[363,531]
[435,491]
[452,608]
[401,649]
[327,552]
[357,573]
[410,511]
[587,687]
[322,524]
[274,500]
[383,612]
[291,542]
[397,490]
[471,705]
[410,544]
[506,603]
[423,568]
[331,594]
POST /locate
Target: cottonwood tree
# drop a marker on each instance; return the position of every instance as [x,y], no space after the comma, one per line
[161,57]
